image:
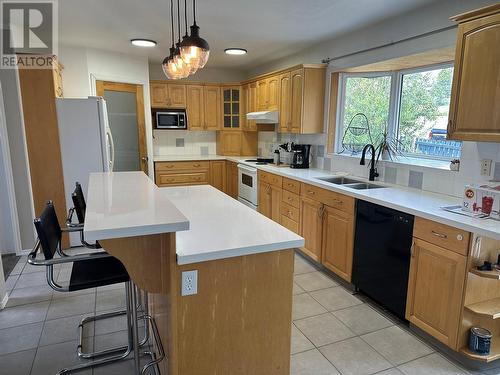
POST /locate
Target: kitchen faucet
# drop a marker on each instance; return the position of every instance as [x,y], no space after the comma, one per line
[373,170]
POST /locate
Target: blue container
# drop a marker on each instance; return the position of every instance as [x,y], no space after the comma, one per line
[479,341]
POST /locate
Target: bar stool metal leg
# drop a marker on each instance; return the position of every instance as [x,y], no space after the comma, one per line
[135,331]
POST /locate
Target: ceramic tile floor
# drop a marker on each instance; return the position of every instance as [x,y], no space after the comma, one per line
[333,332]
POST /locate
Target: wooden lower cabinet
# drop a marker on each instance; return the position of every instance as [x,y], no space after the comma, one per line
[435,291]
[218,174]
[232,179]
[269,201]
[311,226]
[338,242]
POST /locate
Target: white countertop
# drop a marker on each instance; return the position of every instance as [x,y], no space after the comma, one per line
[128,204]
[413,201]
[221,227]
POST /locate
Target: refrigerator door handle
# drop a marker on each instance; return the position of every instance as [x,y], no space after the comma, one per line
[112,149]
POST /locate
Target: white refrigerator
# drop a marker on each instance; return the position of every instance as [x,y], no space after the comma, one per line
[86,143]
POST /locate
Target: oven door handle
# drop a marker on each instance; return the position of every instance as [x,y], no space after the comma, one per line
[246,168]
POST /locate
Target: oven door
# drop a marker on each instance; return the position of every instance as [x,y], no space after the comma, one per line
[247,183]
[170,120]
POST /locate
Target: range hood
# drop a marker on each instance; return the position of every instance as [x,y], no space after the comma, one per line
[263,117]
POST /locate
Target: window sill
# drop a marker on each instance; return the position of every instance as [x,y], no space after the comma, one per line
[406,161]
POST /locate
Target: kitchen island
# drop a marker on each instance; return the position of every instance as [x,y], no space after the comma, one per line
[238,319]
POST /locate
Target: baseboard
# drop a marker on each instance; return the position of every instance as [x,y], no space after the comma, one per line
[4,301]
[24,252]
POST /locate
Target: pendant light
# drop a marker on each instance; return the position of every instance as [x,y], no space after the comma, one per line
[193,67]
[168,65]
[194,48]
[181,65]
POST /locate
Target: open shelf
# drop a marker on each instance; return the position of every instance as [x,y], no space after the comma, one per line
[494,352]
[489,308]
[495,274]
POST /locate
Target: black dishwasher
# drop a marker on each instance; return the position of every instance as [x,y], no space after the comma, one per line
[382,252]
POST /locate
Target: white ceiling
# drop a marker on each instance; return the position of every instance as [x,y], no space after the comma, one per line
[269,29]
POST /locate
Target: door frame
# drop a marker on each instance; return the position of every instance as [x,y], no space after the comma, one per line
[9,178]
[138,90]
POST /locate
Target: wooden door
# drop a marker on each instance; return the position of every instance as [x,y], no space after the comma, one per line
[276,203]
[130,149]
[265,200]
[158,95]
[285,104]
[212,108]
[311,223]
[338,242]
[176,95]
[296,100]
[435,289]
[474,113]
[273,92]
[218,174]
[195,107]
[262,95]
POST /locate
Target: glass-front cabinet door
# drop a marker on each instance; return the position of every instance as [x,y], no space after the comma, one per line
[231,104]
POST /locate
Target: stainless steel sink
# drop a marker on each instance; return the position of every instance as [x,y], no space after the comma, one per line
[364,186]
[339,180]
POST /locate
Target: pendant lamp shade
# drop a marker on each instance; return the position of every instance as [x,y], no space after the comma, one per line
[194,49]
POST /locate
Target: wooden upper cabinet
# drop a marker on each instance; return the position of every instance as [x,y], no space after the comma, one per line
[212,106]
[231,108]
[195,107]
[311,224]
[474,108]
[435,290]
[338,242]
[273,93]
[262,95]
[285,103]
[296,78]
[167,95]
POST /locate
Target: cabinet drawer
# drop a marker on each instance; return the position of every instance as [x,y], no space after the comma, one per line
[335,200]
[451,238]
[289,211]
[291,198]
[290,224]
[291,185]
[171,179]
[270,178]
[182,165]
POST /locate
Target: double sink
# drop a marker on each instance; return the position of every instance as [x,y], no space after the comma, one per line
[350,183]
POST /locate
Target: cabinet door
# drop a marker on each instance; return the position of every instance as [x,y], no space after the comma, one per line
[435,290]
[232,179]
[158,95]
[265,200]
[474,114]
[338,242]
[251,105]
[276,203]
[212,108]
[176,95]
[218,174]
[229,143]
[285,103]
[296,100]
[195,107]
[262,95]
[273,93]
[311,223]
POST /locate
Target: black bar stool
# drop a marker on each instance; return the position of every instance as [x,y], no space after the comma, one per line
[89,271]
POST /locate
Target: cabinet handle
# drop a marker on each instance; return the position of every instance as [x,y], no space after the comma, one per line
[196,165]
[289,184]
[290,199]
[412,249]
[169,166]
[310,192]
[338,201]
[321,210]
[440,235]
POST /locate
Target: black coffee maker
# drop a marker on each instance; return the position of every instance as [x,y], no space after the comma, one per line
[301,156]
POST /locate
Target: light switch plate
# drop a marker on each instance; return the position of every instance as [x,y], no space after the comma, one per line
[486,167]
[189,284]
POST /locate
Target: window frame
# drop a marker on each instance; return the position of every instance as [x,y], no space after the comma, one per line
[394,103]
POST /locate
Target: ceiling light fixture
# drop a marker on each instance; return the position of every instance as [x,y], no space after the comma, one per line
[169,65]
[235,51]
[143,42]
[194,49]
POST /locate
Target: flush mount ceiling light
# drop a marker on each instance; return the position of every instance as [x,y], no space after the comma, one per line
[143,42]
[235,51]
[194,49]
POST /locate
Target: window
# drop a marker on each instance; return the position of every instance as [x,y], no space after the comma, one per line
[409,109]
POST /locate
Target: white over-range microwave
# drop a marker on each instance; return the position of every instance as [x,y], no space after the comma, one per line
[171,119]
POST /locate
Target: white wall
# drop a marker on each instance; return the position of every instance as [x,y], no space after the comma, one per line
[411,25]
[203,75]
[85,65]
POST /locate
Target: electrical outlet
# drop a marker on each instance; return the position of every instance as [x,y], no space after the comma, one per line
[189,283]
[486,167]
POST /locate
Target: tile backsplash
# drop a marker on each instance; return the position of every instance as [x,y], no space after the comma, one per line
[182,142]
